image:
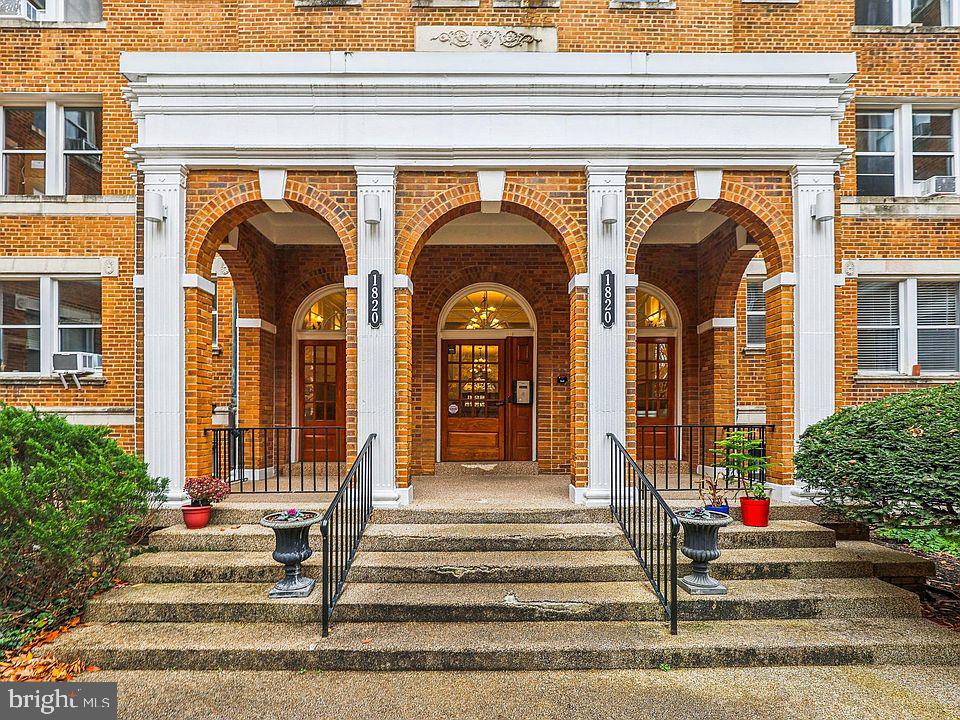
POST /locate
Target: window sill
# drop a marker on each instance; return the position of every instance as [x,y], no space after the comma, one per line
[9,22]
[904,29]
[935,206]
[755,350]
[906,379]
[771,2]
[643,5]
[80,205]
[326,3]
[429,4]
[27,379]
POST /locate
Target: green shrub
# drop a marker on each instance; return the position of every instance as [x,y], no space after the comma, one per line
[934,541]
[70,499]
[890,463]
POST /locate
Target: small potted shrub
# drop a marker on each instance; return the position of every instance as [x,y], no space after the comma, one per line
[204,490]
[755,505]
[741,457]
[712,497]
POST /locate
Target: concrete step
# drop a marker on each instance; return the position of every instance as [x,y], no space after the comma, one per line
[487,602]
[477,537]
[849,559]
[248,512]
[474,513]
[508,646]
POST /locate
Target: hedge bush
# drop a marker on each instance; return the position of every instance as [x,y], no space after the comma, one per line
[70,499]
[890,463]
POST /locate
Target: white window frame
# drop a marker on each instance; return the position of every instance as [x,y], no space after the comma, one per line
[55,152]
[50,320]
[904,185]
[909,326]
[758,280]
[902,14]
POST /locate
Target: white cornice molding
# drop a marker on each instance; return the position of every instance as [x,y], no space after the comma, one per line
[103,266]
[403,282]
[580,280]
[406,108]
[72,205]
[902,267]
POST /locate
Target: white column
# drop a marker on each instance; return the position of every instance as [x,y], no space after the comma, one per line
[606,351]
[814,312]
[164,419]
[376,346]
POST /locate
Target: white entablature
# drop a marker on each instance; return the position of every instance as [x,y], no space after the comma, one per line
[340,109]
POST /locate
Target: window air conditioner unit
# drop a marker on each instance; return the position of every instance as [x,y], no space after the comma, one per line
[77,363]
[23,9]
[939,185]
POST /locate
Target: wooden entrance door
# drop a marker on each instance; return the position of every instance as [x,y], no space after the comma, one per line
[656,398]
[322,389]
[483,417]
[473,400]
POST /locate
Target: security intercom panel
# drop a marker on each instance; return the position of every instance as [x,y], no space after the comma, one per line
[523,392]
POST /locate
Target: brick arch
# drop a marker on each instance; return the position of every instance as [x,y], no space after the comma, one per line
[765,223]
[232,206]
[518,199]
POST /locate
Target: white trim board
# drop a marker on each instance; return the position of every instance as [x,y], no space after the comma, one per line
[257,323]
[100,266]
[900,267]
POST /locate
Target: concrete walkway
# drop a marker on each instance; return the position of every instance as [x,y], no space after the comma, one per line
[805,693]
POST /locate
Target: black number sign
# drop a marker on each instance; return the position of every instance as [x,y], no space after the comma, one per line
[375,298]
[608,299]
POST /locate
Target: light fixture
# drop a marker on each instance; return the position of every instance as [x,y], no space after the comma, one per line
[608,209]
[153,208]
[371,209]
[823,207]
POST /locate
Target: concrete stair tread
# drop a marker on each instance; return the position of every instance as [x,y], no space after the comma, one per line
[532,645]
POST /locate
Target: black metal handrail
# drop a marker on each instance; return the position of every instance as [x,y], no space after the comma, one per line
[680,457]
[281,458]
[649,523]
[342,527]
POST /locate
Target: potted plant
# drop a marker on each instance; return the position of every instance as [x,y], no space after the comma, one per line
[712,497]
[755,505]
[740,454]
[204,490]
[701,528]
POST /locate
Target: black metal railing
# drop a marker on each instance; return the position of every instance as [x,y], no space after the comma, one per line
[680,457]
[280,458]
[342,527]
[648,522]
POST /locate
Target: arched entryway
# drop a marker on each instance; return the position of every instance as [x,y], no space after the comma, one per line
[658,373]
[486,385]
[318,382]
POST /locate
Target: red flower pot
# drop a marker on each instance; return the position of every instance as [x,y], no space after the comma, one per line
[196,516]
[756,513]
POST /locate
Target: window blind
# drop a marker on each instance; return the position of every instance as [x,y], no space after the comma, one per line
[756,314]
[878,325]
[938,327]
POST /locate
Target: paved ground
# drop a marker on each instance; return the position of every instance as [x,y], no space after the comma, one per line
[804,693]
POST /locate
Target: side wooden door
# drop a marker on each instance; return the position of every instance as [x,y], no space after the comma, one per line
[322,388]
[656,398]
[520,414]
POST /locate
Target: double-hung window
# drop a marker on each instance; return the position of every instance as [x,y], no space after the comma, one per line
[908,326]
[53,10]
[40,316]
[51,149]
[907,151]
[756,314]
[930,13]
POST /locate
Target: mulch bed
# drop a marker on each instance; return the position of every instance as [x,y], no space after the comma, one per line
[940,601]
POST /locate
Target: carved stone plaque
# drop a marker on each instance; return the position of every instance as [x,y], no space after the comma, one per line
[475,38]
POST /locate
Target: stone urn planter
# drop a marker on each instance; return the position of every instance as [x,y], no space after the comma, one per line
[292,528]
[701,529]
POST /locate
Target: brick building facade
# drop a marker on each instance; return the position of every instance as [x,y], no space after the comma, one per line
[776,212]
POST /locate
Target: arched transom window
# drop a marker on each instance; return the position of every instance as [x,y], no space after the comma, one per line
[486,309]
[652,312]
[328,313]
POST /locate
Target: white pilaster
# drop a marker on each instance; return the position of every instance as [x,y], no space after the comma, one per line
[814,314]
[606,353]
[376,347]
[164,420]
